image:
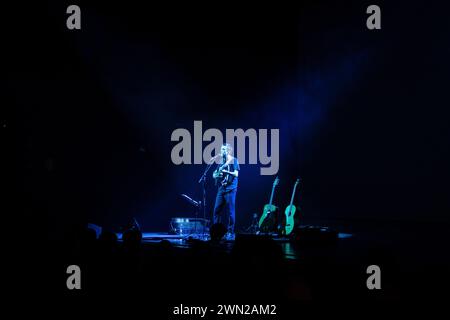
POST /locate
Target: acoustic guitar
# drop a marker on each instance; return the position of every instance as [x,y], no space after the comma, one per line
[290,212]
[267,217]
[219,173]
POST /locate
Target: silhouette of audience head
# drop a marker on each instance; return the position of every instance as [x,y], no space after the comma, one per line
[132,238]
[107,240]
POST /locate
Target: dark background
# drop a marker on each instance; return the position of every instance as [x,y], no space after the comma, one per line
[362,114]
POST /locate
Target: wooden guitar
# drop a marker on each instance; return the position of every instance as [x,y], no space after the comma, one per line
[290,212]
[268,210]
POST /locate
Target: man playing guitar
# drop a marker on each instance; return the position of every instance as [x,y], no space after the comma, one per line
[226,175]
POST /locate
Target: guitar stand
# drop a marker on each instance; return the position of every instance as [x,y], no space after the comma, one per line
[253,228]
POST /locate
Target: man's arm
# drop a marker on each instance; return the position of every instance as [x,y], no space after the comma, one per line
[233,173]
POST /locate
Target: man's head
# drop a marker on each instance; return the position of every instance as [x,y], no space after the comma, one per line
[226,149]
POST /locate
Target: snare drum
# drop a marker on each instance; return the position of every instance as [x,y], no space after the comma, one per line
[186,226]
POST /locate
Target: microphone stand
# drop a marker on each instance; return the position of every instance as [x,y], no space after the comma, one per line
[202,180]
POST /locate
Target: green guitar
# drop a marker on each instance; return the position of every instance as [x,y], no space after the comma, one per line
[290,212]
[268,209]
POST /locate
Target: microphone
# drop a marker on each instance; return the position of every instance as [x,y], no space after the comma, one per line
[190,200]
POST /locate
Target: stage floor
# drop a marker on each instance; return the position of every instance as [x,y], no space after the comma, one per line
[289,249]
[403,240]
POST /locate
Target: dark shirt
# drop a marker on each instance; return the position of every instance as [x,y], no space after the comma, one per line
[230,182]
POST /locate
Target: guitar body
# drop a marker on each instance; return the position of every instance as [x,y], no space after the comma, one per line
[218,174]
[289,212]
[267,222]
[267,211]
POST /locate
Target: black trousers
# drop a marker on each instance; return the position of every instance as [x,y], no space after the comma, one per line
[224,208]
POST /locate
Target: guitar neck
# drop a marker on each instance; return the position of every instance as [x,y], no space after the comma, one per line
[271,195]
[293,194]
